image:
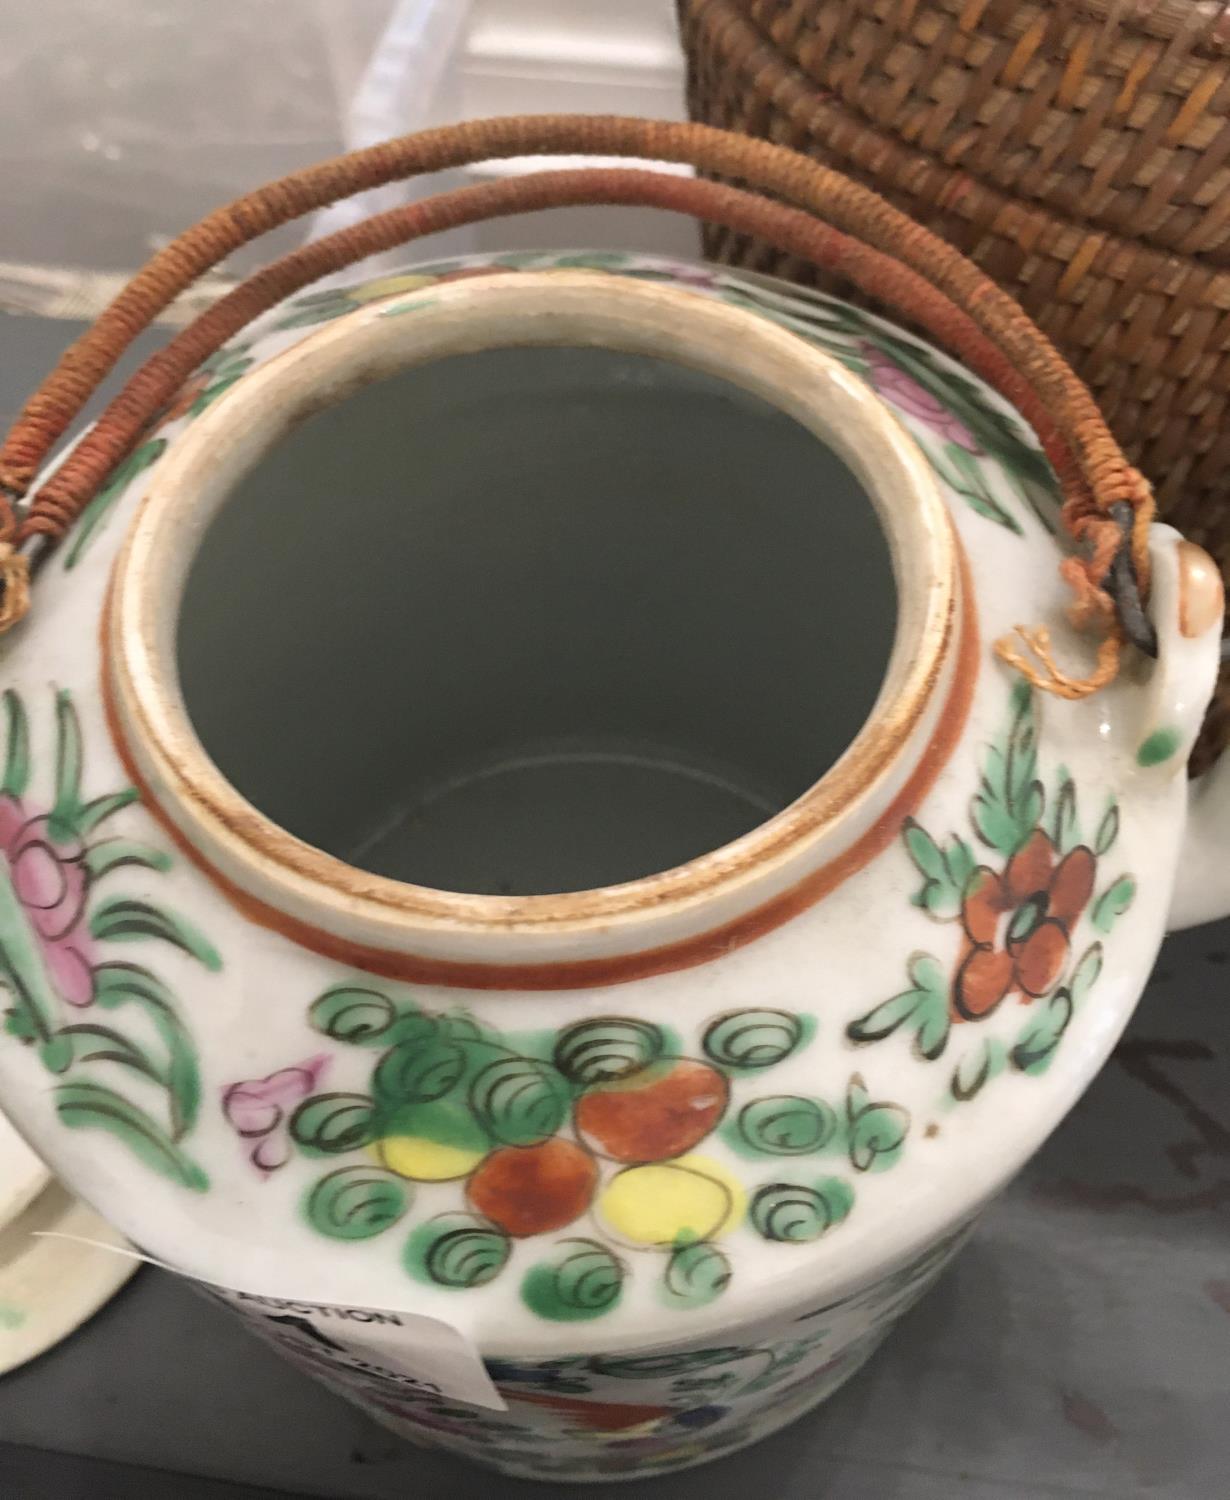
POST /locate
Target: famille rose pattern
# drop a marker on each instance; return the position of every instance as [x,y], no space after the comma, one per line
[589,1141]
[1022,886]
[581,1169]
[596,1141]
[971,438]
[106,1028]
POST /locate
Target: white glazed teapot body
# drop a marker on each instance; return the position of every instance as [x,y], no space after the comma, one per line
[672,1154]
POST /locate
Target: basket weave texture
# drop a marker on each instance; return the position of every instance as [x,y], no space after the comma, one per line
[1078,150]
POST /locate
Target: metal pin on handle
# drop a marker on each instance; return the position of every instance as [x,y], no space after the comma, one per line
[1124,587]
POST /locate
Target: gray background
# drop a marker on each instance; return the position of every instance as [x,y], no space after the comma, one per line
[1080,1345]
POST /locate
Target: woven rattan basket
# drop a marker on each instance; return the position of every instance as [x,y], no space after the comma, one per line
[1079,150]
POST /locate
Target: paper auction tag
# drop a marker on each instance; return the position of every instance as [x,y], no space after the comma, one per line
[361,1346]
[406,1349]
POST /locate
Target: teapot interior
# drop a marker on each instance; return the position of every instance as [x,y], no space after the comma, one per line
[535,620]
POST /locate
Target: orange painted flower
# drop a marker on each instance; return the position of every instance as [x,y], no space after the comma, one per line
[1018,925]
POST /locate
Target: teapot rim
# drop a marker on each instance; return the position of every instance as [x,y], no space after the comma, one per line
[252,856]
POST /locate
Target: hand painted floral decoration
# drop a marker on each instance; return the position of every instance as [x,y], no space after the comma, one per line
[594,1133]
[963,432]
[257,1109]
[202,388]
[1017,907]
[909,396]
[135,1076]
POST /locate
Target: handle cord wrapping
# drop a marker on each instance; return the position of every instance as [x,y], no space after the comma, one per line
[837,224]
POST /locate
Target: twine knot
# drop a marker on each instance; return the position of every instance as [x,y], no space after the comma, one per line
[14,586]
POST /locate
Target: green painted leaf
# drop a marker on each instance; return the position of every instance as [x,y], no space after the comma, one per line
[117,985]
[1108,830]
[824,333]
[933,1027]
[795,1213]
[117,982]
[113,854]
[927,973]
[83,1106]
[944,872]
[875,1130]
[1009,802]
[582,1280]
[883,1019]
[56,1054]
[230,357]
[975,1068]
[457,1251]
[749,1039]
[419,1072]
[459,1027]
[960,860]
[122,919]
[695,1275]
[992,821]
[331,1124]
[1065,825]
[18,1022]
[924,851]
[365,1017]
[786,1125]
[217,388]
[36,1004]
[62,824]
[1113,902]
[1085,975]
[607,1048]
[963,472]
[102,808]
[520,1101]
[1036,1046]
[17,746]
[994,430]
[356,1203]
[95,513]
[1159,746]
[922,1009]
[89,1042]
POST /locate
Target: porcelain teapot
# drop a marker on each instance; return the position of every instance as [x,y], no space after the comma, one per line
[523,871]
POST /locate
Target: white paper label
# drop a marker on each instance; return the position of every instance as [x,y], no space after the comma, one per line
[359,1345]
[406,1349]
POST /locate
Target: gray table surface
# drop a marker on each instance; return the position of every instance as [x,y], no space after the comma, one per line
[1080,1346]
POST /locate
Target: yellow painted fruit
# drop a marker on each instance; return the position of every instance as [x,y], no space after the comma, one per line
[672,1202]
[422,1160]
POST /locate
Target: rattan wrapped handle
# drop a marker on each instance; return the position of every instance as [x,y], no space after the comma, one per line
[834,222]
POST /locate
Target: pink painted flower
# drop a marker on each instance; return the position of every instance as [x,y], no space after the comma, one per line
[683,271]
[908,396]
[51,880]
[259,1109]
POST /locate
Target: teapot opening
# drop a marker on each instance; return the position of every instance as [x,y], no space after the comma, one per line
[593,579]
[591,614]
